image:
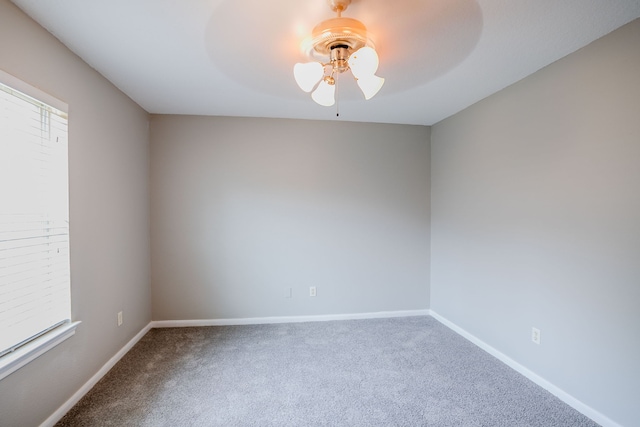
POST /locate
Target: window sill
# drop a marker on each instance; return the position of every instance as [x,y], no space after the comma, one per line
[11,362]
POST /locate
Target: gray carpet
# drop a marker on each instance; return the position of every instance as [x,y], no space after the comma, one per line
[383,372]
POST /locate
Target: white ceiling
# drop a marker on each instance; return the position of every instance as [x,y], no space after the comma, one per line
[235,57]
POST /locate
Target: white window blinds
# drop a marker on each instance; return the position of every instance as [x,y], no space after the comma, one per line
[34,219]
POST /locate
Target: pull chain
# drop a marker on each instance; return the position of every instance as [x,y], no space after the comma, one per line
[337,95]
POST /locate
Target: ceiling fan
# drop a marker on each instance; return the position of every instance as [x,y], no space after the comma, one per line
[341,44]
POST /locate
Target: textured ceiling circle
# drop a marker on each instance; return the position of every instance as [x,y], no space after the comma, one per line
[416,40]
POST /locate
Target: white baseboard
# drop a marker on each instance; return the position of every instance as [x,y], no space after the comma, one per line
[285,319]
[57,415]
[556,391]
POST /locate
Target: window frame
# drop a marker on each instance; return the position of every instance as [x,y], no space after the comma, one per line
[26,353]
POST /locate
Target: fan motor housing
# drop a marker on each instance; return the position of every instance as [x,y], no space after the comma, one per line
[339,31]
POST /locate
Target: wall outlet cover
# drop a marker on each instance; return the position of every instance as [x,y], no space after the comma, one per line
[535,335]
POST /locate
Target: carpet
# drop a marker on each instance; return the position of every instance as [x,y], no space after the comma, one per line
[409,371]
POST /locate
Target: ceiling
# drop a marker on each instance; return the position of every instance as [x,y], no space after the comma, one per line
[235,57]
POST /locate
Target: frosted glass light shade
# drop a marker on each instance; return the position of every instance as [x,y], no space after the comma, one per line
[308,74]
[364,62]
[370,85]
[324,94]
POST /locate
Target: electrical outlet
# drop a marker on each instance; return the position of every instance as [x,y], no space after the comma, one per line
[535,335]
[288,292]
[312,291]
[119,318]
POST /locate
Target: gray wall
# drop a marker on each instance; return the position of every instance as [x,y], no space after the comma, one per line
[108,154]
[242,209]
[536,222]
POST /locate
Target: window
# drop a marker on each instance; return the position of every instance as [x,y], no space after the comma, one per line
[35,301]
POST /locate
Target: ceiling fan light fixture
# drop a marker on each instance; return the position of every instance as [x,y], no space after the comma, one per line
[370,85]
[307,75]
[345,43]
[325,93]
[364,62]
